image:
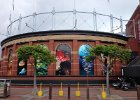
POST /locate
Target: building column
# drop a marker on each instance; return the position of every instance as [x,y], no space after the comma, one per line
[1,68]
[30,68]
[97,66]
[51,67]
[5,62]
[117,69]
[117,65]
[14,61]
[75,61]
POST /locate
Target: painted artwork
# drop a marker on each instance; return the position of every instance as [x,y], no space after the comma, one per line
[85,67]
[41,68]
[22,68]
[63,63]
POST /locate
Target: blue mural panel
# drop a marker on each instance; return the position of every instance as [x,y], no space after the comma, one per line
[85,67]
[22,68]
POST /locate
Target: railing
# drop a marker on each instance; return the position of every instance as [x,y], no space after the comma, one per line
[66,20]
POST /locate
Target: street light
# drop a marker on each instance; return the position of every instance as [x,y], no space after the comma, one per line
[87,71]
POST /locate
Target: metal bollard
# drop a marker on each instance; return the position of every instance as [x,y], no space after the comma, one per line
[50,91]
[138,92]
[5,90]
[87,93]
[68,91]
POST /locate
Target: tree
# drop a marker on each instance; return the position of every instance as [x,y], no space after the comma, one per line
[107,56]
[34,53]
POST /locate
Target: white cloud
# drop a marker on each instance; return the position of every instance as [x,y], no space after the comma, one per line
[124,8]
[118,8]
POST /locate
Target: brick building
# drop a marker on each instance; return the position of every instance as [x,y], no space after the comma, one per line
[133,31]
[71,45]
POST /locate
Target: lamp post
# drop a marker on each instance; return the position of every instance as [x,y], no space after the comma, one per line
[87,71]
[87,75]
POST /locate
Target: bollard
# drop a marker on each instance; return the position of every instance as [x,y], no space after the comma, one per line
[61,91]
[68,91]
[5,90]
[50,91]
[87,93]
[78,91]
[138,92]
[40,92]
[104,96]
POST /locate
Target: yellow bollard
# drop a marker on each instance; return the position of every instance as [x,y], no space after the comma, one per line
[40,92]
[61,91]
[104,96]
[78,91]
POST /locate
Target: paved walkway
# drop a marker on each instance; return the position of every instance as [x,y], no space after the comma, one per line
[26,94]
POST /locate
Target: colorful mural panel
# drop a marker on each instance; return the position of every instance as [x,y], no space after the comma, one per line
[85,67]
[22,68]
[41,68]
[63,63]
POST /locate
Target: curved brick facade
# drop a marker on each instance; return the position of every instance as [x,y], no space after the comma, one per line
[74,39]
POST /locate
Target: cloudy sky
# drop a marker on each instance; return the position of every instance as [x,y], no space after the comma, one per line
[123,8]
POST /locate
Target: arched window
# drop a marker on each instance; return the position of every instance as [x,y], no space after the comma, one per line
[63,57]
[10,61]
[22,67]
[41,67]
[85,67]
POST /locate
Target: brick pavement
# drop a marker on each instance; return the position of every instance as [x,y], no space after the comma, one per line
[25,93]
